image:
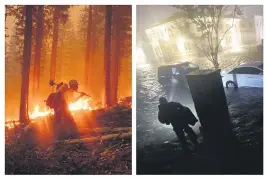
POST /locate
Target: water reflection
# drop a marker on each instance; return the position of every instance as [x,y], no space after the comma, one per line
[149,129]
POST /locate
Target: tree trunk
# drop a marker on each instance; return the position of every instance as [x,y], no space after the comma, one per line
[88,49]
[216,63]
[93,45]
[116,58]
[107,54]
[53,61]
[38,50]
[5,14]
[6,32]
[24,116]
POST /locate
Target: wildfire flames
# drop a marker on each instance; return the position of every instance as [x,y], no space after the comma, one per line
[37,113]
[81,104]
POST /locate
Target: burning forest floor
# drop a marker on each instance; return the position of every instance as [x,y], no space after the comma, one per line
[103,148]
[159,156]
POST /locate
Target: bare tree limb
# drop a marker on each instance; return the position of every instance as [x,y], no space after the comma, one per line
[228,28]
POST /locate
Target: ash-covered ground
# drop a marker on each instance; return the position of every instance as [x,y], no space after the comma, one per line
[104,148]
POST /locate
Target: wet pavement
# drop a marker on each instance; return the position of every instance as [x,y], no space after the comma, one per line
[157,143]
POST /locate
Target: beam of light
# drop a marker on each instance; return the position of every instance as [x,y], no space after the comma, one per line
[180,44]
[173,92]
[235,40]
[141,57]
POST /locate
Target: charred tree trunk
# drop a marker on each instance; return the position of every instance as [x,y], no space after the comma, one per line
[5,14]
[6,36]
[107,54]
[24,116]
[93,45]
[53,61]
[88,48]
[116,57]
[38,50]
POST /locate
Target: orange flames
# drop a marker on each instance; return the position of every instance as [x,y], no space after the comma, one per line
[38,113]
[81,105]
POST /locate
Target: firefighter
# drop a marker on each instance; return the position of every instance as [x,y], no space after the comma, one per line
[57,102]
[70,93]
[64,124]
[69,97]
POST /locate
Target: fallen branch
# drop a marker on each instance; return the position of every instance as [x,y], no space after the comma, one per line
[104,129]
[98,139]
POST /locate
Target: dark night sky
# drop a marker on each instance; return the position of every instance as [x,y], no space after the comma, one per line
[149,15]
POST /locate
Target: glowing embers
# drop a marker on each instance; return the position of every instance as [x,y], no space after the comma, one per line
[11,125]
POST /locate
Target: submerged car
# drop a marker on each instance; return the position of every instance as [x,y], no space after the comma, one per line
[175,73]
[246,75]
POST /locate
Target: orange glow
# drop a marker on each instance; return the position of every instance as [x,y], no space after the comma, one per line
[81,104]
[37,113]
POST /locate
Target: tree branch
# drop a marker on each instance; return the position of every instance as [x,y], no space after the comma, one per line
[228,28]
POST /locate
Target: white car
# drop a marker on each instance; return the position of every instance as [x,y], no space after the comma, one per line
[246,75]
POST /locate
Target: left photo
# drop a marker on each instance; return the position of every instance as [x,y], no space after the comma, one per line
[68,89]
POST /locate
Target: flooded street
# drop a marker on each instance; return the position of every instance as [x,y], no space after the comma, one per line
[246,113]
[149,129]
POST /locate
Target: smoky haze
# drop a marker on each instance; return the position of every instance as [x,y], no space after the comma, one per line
[156,13]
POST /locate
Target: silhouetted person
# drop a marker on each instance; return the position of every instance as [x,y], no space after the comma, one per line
[59,109]
[69,97]
[180,117]
[64,124]
[72,90]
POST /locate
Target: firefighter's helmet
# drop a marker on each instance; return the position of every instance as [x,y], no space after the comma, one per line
[73,82]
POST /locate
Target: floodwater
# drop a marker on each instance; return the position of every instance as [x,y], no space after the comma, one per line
[245,108]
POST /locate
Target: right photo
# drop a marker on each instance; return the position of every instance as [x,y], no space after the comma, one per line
[199,90]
